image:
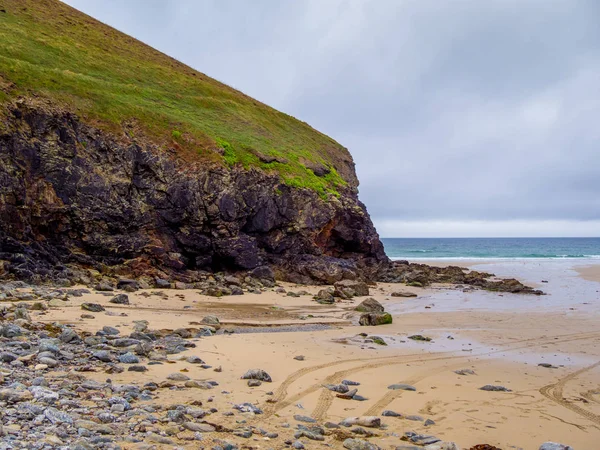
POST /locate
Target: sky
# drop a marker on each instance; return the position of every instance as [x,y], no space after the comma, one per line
[464,117]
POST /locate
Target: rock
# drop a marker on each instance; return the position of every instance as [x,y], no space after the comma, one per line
[254,383]
[257,374]
[464,372]
[299,358]
[450,446]
[429,422]
[263,273]
[298,445]
[127,284]
[359,444]
[104,287]
[363,421]
[248,407]
[48,362]
[374,319]
[158,439]
[494,388]
[198,384]
[198,427]
[120,299]
[178,376]
[348,395]
[340,388]
[57,417]
[111,331]
[69,336]
[388,413]
[547,366]
[350,383]
[403,387]
[306,419]
[419,337]
[11,330]
[195,360]
[353,288]
[421,439]
[370,305]
[103,355]
[554,446]
[212,321]
[92,307]
[325,297]
[129,358]
[403,294]
[15,396]
[137,368]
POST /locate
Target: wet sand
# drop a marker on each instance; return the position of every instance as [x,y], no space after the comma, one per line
[590,273]
[501,337]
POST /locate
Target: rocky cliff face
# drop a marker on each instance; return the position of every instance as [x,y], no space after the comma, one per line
[73,197]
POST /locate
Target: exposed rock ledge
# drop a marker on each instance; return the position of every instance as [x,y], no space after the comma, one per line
[73,197]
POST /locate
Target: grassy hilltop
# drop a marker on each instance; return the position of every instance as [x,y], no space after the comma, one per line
[119,84]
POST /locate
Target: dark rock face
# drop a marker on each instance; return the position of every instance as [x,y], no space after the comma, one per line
[72,197]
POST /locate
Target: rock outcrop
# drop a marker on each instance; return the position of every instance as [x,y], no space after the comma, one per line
[73,197]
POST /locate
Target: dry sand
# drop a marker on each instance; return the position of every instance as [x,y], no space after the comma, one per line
[559,404]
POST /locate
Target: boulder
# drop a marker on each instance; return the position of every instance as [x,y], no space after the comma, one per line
[212,321]
[370,305]
[374,319]
[353,288]
[325,297]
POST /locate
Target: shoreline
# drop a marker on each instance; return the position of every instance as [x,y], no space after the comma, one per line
[501,337]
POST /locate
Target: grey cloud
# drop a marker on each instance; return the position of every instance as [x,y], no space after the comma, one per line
[460,111]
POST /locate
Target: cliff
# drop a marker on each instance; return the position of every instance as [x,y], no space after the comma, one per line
[116,158]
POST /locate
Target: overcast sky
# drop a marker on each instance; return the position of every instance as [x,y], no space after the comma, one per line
[464,117]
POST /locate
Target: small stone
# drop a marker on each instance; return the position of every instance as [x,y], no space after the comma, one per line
[401,387]
[257,374]
[359,444]
[129,358]
[178,376]
[254,383]
[306,419]
[494,388]
[555,446]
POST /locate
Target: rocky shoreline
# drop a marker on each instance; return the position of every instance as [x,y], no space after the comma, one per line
[50,396]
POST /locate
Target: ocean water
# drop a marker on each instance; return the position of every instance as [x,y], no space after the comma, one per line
[492,248]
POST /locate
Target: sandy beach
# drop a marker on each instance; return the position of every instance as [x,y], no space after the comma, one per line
[502,338]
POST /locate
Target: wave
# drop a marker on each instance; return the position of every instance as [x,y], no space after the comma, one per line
[507,258]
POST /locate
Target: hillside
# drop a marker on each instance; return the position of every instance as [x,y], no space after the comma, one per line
[105,76]
[116,160]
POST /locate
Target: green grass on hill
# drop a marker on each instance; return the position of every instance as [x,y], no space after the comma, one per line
[108,78]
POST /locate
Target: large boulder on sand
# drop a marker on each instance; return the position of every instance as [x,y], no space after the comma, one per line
[370,305]
[374,319]
[350,288]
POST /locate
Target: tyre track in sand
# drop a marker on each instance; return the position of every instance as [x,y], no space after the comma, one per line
[281,401]
[554,392]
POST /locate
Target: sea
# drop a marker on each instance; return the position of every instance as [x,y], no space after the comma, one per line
[492,248]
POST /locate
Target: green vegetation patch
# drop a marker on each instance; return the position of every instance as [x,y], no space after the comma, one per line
[108,78]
